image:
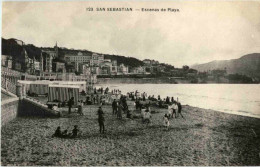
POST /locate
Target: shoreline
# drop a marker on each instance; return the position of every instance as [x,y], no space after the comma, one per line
[204,137]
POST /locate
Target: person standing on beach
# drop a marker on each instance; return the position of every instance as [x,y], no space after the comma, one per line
[166,121]
[101,120]
[179,109]
[70,104]
[114,106]
[119,111]
[170,111]
[175,109]
[136,104]
[167,100]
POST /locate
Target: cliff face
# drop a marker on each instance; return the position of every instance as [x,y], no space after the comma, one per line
[247,65]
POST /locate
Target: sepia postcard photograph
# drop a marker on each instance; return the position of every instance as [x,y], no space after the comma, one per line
[130,83]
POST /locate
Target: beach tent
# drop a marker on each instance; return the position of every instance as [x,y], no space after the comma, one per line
[82,84]
[40,87]
[36,87]
[63,92]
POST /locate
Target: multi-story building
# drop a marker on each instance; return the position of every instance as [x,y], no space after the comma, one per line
[78,58]
[150,62]
[122,69]
[7,61]
[59,67]
[96,59]
[37,65]
[67,77]
[47,57]
[46,62]
[147,61]
[108,67]
[138,70]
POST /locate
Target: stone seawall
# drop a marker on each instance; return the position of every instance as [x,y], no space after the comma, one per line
[9,110]
[29,107]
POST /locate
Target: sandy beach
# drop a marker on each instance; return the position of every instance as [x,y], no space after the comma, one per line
[204,137]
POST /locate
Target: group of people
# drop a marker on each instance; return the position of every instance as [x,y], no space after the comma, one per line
[137,95]
[101,90]
[116,92]
[120,106]
[65,134]
[95,99]
[173,109]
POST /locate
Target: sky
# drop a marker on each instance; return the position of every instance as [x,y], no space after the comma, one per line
[202,31]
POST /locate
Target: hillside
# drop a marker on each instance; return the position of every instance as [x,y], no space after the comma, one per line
[13,48]
[247,65]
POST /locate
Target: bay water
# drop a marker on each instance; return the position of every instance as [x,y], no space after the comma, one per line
[240,99]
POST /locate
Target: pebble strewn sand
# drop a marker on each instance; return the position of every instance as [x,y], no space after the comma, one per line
[203,138]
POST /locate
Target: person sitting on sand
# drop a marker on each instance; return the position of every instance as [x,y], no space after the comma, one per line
[75,131]
[65,133]
[57,132]
[147,116]
[166,121]
[128,114]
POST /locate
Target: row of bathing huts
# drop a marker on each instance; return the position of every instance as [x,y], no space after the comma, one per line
[54,90]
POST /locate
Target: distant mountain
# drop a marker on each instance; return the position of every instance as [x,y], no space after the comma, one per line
[247,65]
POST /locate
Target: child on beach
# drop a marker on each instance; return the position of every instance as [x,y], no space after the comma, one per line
[57,132]
[170,111]
[80,108]
[75,131]
[65,134]
[147,117]
[166,121]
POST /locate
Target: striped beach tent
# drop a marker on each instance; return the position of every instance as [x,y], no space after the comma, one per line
[39,89]
[63,93]
[82,84]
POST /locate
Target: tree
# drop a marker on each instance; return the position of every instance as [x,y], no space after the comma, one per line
[185,67]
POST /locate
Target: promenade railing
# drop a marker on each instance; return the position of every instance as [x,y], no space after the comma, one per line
[10,77]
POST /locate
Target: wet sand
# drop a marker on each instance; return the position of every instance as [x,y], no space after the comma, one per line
[204,137]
